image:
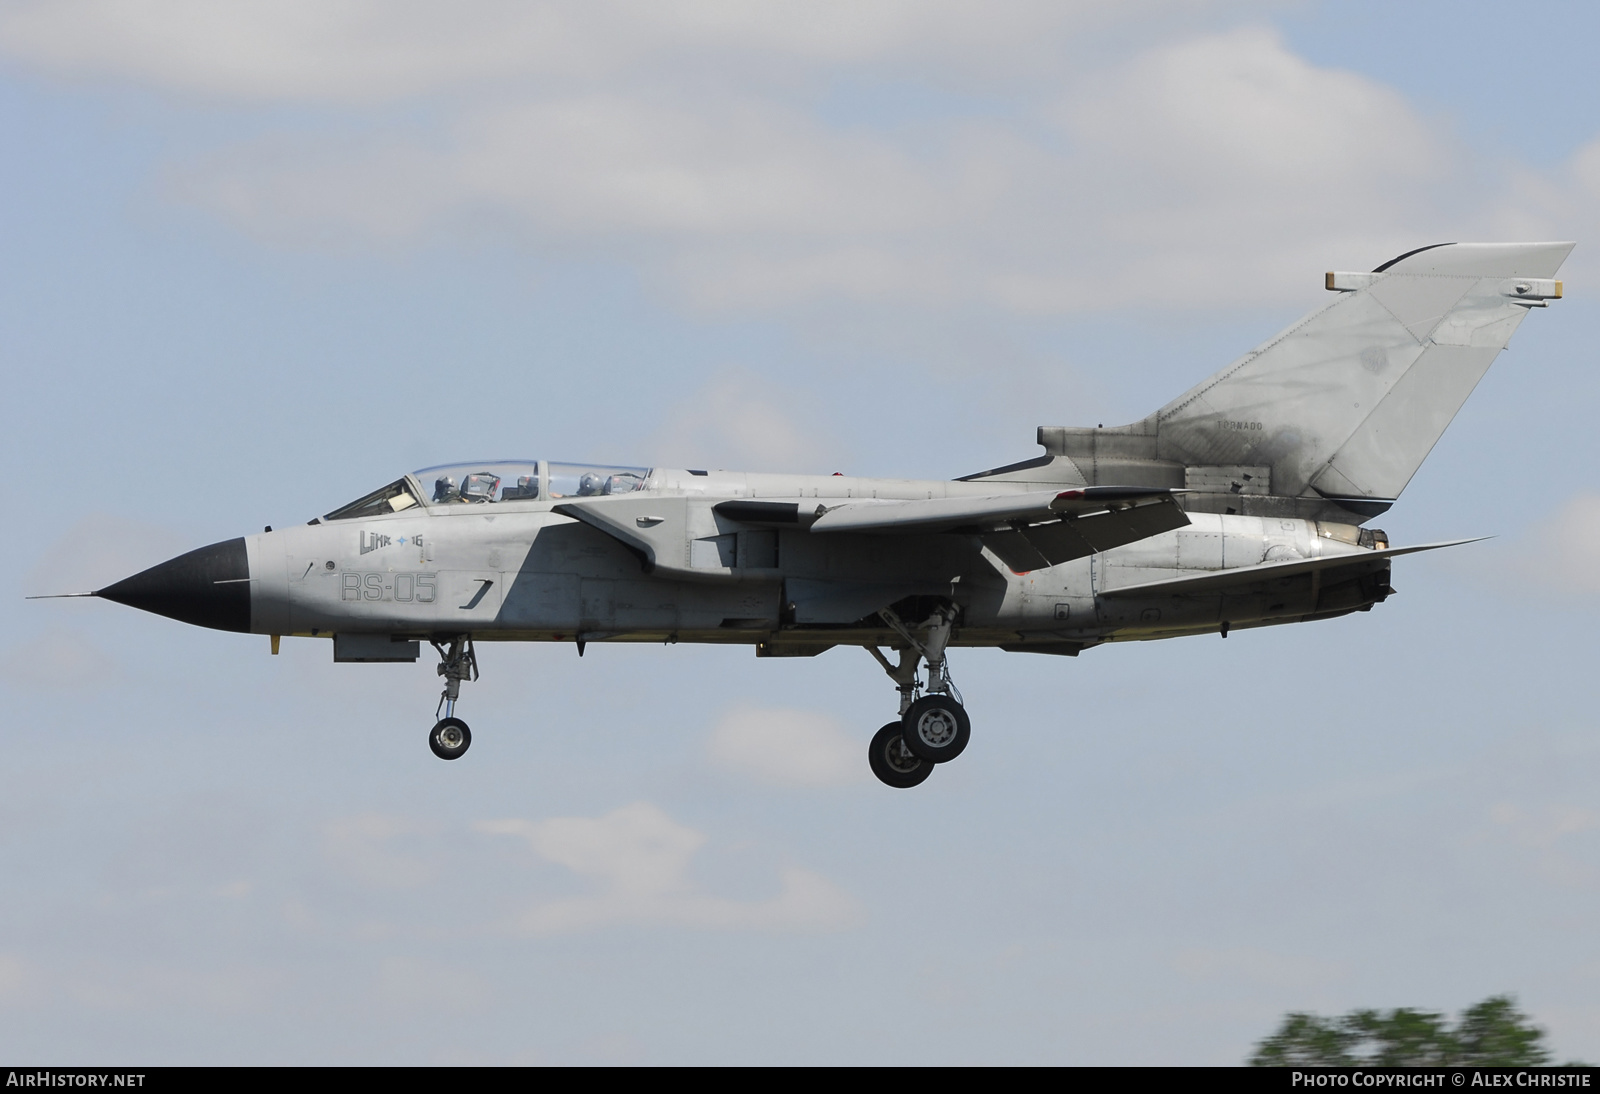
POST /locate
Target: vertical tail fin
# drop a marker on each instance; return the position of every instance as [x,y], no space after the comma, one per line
[1345,405]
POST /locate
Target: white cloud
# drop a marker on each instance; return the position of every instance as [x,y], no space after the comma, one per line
[408,981]
[364,51]
[640,858]
[15,980]
[1555,840]
[344,51]
[1222,168]
[58,658]
[1563,552]
[1228,162]
[1259,966]
[1238,112]
[138,987]
[1544,825]
[699,144]
[371,848]
[786,747]
[738,419]
[99,550]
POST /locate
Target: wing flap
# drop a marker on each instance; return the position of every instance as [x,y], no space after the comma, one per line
[1036,546]
[1220,581]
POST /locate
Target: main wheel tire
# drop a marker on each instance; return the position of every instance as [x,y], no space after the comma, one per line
[936,728]
[450,739]
[892,763]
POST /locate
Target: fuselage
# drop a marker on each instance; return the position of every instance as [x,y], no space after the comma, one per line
[515,569]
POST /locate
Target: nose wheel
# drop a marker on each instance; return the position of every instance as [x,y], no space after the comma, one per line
[450,739]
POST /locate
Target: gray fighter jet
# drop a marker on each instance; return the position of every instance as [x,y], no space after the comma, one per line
[1241,503]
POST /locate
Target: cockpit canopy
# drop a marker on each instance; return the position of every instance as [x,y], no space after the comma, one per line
[494,481]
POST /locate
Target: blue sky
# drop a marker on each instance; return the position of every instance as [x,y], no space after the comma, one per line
[262,259]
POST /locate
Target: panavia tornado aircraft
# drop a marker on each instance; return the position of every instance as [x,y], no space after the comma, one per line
[1241,503]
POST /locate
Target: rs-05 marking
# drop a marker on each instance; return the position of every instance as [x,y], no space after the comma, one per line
[403,588]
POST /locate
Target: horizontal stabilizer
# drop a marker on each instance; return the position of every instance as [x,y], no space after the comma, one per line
[1221,581]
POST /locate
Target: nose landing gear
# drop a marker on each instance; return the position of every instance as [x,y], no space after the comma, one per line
[450,738]
[933,728]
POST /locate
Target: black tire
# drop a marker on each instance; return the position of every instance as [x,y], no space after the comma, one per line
[890,761]
[450,739]
[936,728]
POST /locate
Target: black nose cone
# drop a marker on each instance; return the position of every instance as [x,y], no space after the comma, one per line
[209,588]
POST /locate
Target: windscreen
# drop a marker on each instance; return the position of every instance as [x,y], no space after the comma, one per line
[391,499]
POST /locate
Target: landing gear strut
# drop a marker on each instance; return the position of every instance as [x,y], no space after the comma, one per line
[933,728]
[450,738]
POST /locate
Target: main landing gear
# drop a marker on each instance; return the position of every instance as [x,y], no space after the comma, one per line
[933,728]
[450,738]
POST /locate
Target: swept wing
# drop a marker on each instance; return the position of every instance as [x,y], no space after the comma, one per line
[1027,531]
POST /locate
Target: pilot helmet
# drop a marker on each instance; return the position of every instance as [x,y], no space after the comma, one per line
[444,489]
[589,484]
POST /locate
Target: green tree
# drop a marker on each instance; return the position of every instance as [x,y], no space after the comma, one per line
[1492,1033]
